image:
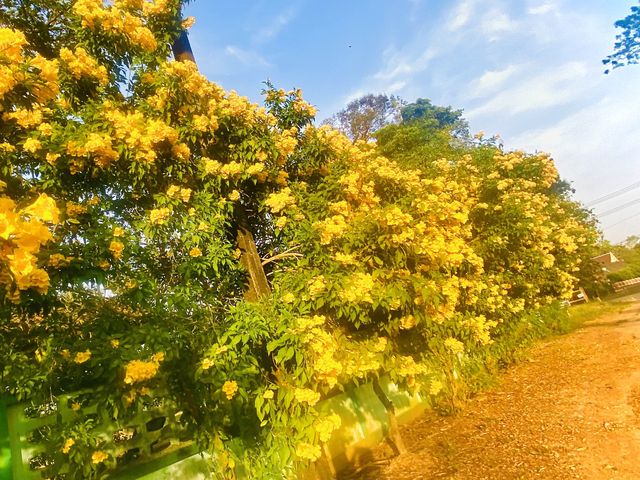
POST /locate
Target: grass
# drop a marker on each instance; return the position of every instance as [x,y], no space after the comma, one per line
[584,312]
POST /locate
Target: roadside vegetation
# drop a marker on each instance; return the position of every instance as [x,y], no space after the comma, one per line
[429,255]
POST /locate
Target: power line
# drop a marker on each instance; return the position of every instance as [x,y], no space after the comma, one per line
[619,207]
[623,220]
[614,194]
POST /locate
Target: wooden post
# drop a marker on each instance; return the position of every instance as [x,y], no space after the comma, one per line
[258,284]
[584,294]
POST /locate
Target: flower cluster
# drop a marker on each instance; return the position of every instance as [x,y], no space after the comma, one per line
[137,371]
[22,233]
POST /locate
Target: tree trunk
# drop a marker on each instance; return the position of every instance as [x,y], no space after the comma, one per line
[394,431]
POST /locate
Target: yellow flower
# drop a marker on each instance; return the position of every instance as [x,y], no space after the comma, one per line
[115,343]
[255,169]
[46,129]
[173,190]
[81,64]
[11,43]
[103,264]
[282,178]
[139,371]
[73,209]
[157,357]
[32,145]
[435,387]
[118,232]
[195,252]
[185,194]
[116,248]
[24,117]
[211,167]
[288,297]
[281,222]
[381,344]
[181,151]
[279,201]
[68,443]
[268,394]
[159,216]
[326,426]
[44,208]
[207,363]
[454,346]
[75,406]
[230,388]
[234,195]
[188,22]
[231,169]
[358,288]
[308,451]
[222,349]
[99,457]
[316,285]
[330,228]
[306,395]
[407,322]
[58,260]
[82,357]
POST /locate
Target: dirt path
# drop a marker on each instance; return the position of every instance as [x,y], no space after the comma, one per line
[572,411]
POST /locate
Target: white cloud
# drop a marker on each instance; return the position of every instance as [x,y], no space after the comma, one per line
[542,9]
[551,87]
[403,65]
[462,14]
[246,57]
[496,22]
[492,80]
[275,26]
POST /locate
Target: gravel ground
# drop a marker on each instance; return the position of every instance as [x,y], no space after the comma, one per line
[572,411]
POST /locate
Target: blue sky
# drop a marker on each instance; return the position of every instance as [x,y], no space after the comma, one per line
[528,70]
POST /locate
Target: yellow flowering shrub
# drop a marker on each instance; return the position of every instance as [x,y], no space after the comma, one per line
[124,179]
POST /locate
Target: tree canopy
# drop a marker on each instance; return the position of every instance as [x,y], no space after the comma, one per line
[627,45]
[362,117]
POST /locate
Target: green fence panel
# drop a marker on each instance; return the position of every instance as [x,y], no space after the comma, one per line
[153,446]
[5,443]
[144,446]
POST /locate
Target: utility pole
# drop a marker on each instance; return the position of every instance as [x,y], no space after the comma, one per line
[258,284]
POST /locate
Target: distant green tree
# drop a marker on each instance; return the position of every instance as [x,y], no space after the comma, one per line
[627,46]
[632,241]
[362,117]
[629,252]
[440,117]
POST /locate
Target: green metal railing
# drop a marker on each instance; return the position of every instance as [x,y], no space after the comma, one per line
[158,450]
[148,443]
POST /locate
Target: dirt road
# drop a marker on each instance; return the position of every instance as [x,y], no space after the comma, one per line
[571,411]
